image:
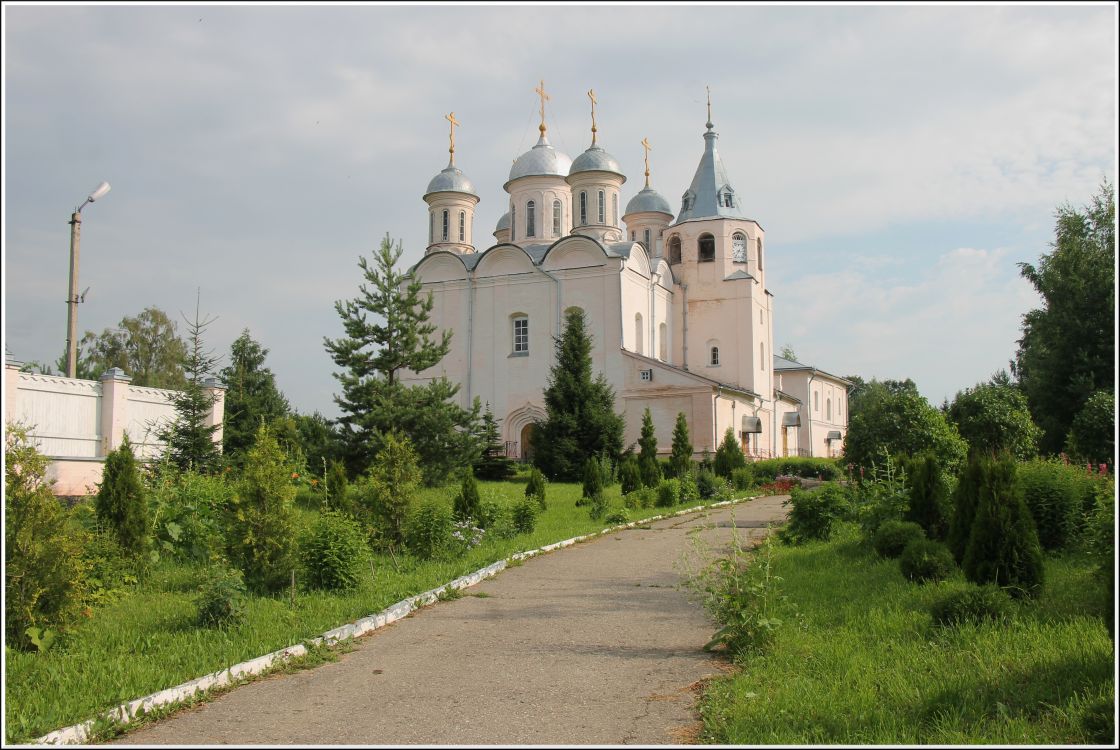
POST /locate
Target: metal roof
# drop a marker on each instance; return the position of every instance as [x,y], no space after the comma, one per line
[711,188]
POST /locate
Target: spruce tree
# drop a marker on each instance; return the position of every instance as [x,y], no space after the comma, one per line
[581,421]
[388,334]
[121,504]
[729,456]
[188,439]
[251,397]
[929,503]
[1003,548]
[493,464]
[647,457]
[680,460]
[966,497]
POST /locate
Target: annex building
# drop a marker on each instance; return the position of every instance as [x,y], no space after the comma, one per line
[677,303]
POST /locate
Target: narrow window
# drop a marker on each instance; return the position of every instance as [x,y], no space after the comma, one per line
[828,409]
[759,253]
[431,227]
[582,208]
[557,218]
[648,246]
[715,357]
[674,249]
[530,219]
[462,226]
[707,245]
[446,228]
[602,208]
[816,406]
[762,356]
[521,335]
[739,248]
[633,235]
[638,334]
[512,223]
[663,341]
[614,209]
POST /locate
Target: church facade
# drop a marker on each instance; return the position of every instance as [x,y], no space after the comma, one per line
[677,304]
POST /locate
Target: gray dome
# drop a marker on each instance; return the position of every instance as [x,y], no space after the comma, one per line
[503,223]
[541,159]
[596,159]
[450,180]
[648,200]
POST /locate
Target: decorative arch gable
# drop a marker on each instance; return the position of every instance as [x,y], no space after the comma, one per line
[639,260]
[521,417]
[574,252]
[503,260]
[440,266]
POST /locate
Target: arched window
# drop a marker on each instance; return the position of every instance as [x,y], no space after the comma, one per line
[583,208]
[614,209]
[714,360]
[649,247]
[762,356]
[707,245]
[602,208]
[639,334]
[520,333]
[674,249]
[557,218]
[759,253]
[633,235]
[431,228]
[816,405]
[739,247]
[828,409]
[531,219]
[663,342]
[462,226]
[512,223]
[446,228]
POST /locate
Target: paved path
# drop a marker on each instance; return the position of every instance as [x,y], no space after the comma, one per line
[591,644]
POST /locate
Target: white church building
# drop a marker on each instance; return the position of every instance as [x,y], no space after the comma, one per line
[678,307]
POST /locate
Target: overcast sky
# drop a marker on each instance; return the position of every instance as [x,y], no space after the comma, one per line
[902,159]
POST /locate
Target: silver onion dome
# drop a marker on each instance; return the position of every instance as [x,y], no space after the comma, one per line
[541,159]
[648,199]
[596,159]
[503,223]
[450,180]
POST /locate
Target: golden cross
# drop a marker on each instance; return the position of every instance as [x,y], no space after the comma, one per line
[591,96]
[647,147]
[451,119]
[544,98]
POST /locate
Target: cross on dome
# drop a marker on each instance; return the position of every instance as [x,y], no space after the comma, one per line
[544,98]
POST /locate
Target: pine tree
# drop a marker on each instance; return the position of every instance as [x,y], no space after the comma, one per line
[680,460]
[251,397]
[648,466]
[929,504]
[189,439]
[729,455]
[388,334]
[493,464]
[581,421]
[965,499]
[121,503]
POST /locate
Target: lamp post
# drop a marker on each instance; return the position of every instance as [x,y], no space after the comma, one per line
[72,299]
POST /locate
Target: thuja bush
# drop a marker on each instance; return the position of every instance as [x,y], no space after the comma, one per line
[813,513]
[334,553]
[428,530]
[592,481]
[925,560]
[668,492]
[893,536]
[707,484]
[536,487]
[729,456]
[1100,544]
[929,497]
[524,514]
[629,475]
[1057,497]
[1003,548]
[975,604]
[965,499]
[121,502]
[336,488]
[467,500]
[221,598]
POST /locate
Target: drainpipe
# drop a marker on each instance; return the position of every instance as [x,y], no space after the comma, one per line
[809,409]
[470,336]
[715,429]
[684,329]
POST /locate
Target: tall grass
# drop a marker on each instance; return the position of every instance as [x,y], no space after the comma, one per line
[860,663]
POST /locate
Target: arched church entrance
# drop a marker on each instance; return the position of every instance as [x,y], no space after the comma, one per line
[527,441]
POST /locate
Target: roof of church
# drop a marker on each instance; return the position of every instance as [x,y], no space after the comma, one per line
[595,159]
[450,180]
[702,201]
[648,199]
[789,365]
[541,159]
[503,223]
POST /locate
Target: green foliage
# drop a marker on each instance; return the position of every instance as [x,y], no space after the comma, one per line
[335,487]
[707,484]
[629,475]
[496,518]
[43,567]
[186,510]
[769,469]
[389,490]
[1067,351]
[929,497]
[189,440]
[581,421]
[318,438]
[493,464]
[813,513]
[1092,435]
[260,518]
[334,553]
[892,417]
[108,571]
[429,529]
[388,333]
[221,598]
[1057,496]
[252,397]
[536,487]
[881,496]
[648,466]
[680,459]
[592,479]
[689,492]
[668,492]
[618,518]
[524,514]
[467,499]
[973,605]
[121,502]
[893,536]
[147,347]
[1003,548]
[1100,544]
[994,417]
[743,479]
[925,560]
[729,455]
[965,500]
[650,469]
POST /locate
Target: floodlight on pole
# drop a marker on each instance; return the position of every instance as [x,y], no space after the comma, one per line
[73,298]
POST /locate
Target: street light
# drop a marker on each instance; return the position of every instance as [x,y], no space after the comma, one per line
[73,299]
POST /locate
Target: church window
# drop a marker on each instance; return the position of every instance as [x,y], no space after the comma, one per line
[714,361]
[531,219]
[512,222]
[431,228]
[633,235]
[582,208]
[521,335]
[462,226]
[663,341]
[816,405]
[638,334]
[614,209]
[707,245]
[739,248]
[762,356]
[557,218]
[674,249]
[828,409]
[759,253]
[602,208]
[647,240]
[446,228]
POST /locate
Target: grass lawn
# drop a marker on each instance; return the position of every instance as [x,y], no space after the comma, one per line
[857,661]
[148,640]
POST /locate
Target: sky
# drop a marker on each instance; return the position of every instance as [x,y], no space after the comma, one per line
[901,159]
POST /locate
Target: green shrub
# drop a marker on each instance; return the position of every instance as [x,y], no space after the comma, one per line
[334,553]
[524,515]
[109,570]
[629,475]
[813,513]
[1003,548]
[597,507]
[221,598]
[925,560]
[1090,436]
[929,498]
[966,497]
[974,604]
[467,499]
[606,471]
[729,456]
[336,488]
[536,487]
[387,494]
[186,510]
[1100,544]
[689,492]
[1057,497]
[643,497]
[592,481]
[668,492]
[742,479]
[43,567]
[893,536]
[618,517]
[650,469]
[1098,721]
[880,497]
[707,484]
[680,458]
[428,529]
[769,469]
[121,503]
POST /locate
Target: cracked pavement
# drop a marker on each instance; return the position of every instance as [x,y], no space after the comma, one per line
[592,644]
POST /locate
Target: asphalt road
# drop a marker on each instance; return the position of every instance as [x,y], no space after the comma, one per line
[592,644]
